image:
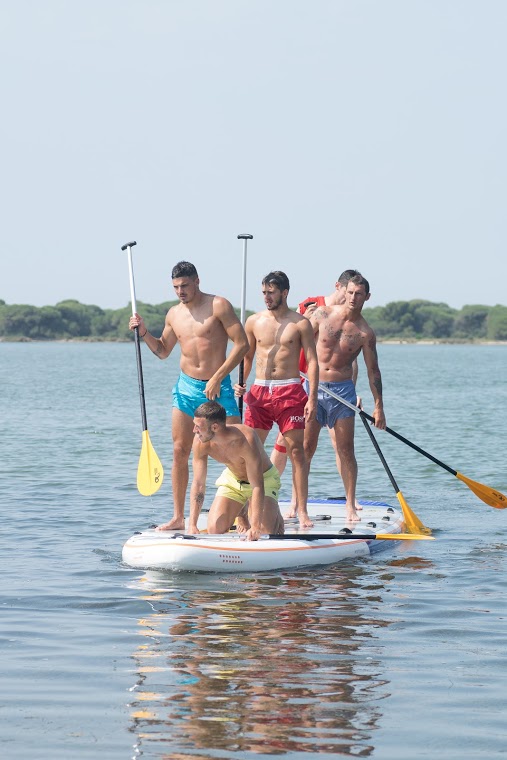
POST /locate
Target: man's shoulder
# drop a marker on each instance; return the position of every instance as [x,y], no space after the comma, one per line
[239,430]
[200,450]
[219,302]
[370,332]
[324,311]
[173,312]
[253,318]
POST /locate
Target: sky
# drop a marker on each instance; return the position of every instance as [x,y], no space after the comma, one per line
[339,133]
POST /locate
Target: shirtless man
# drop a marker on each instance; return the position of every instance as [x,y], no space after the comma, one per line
[342,333]
[202,324]
[249,475]
[307,307]
[278,335]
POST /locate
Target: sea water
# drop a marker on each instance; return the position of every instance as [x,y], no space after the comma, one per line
[401,655]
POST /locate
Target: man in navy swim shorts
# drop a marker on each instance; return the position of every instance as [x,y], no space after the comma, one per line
[342,334]
[307,307]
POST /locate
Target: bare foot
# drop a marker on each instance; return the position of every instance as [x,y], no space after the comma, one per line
[172,525]
[242,524]
[351,514]
[358,505]
[304,520]
[291,512]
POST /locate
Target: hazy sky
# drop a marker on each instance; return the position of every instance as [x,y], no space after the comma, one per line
[340,134]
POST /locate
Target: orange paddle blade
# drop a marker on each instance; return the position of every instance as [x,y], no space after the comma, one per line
[412,522]
[488,495]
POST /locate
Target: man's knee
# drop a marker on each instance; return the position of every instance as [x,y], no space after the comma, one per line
[297,454]
[218,524]
[181,450]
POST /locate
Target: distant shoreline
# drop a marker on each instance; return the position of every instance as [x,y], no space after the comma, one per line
[439,341]
[384,342]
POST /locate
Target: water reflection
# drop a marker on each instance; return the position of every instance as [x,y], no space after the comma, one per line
[259,665]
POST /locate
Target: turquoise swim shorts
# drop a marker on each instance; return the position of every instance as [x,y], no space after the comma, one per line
[188,394]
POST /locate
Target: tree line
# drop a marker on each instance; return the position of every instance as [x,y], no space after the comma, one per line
[398,320]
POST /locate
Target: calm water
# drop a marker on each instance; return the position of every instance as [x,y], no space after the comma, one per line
[401,656]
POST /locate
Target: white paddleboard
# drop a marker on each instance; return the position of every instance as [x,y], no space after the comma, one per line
[229,553]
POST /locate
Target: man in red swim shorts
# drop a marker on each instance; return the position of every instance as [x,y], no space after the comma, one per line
[277,336]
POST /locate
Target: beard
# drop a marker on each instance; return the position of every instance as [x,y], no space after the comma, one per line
[275,303]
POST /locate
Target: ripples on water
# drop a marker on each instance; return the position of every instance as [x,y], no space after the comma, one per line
[400,656]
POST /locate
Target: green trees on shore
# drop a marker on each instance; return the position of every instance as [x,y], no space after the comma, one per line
[404,320]
[72,319]
[424,320]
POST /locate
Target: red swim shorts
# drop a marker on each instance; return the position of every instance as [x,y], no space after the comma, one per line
[280,401]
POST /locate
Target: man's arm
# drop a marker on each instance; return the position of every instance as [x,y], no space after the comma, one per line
[223,310]
[310,351]
[253,464]
[198,488]
[249,356]
[162,346]
[374,378]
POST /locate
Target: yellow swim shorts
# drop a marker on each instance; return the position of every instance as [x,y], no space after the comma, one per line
[240,490]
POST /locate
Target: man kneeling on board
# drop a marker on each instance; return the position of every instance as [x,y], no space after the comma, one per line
[249,476]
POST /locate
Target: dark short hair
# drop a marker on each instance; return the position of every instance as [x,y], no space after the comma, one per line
[347,275]
[358,279]
[211,411]
[184,269]
[277,278]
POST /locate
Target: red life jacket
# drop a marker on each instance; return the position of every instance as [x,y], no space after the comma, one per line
[320,301]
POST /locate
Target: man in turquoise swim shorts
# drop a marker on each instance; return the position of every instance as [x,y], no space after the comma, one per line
[202,324]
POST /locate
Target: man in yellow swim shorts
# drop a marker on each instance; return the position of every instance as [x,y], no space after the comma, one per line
[249,476]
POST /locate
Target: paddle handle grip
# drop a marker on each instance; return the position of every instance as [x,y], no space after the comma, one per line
[245,237]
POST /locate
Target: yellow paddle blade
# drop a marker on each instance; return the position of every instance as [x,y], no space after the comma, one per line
[150,473]
[488,495]
[412,522]
[406,536]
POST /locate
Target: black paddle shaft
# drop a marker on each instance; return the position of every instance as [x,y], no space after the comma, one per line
[320,536]
[140,378]
[241,373]
[379,452]
[138,343]
[241,380]
[413,446]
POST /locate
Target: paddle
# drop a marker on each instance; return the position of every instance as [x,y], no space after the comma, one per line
[489,496]
[312,536]
[241,373]
[412,522]
[357,536]
[150,473]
